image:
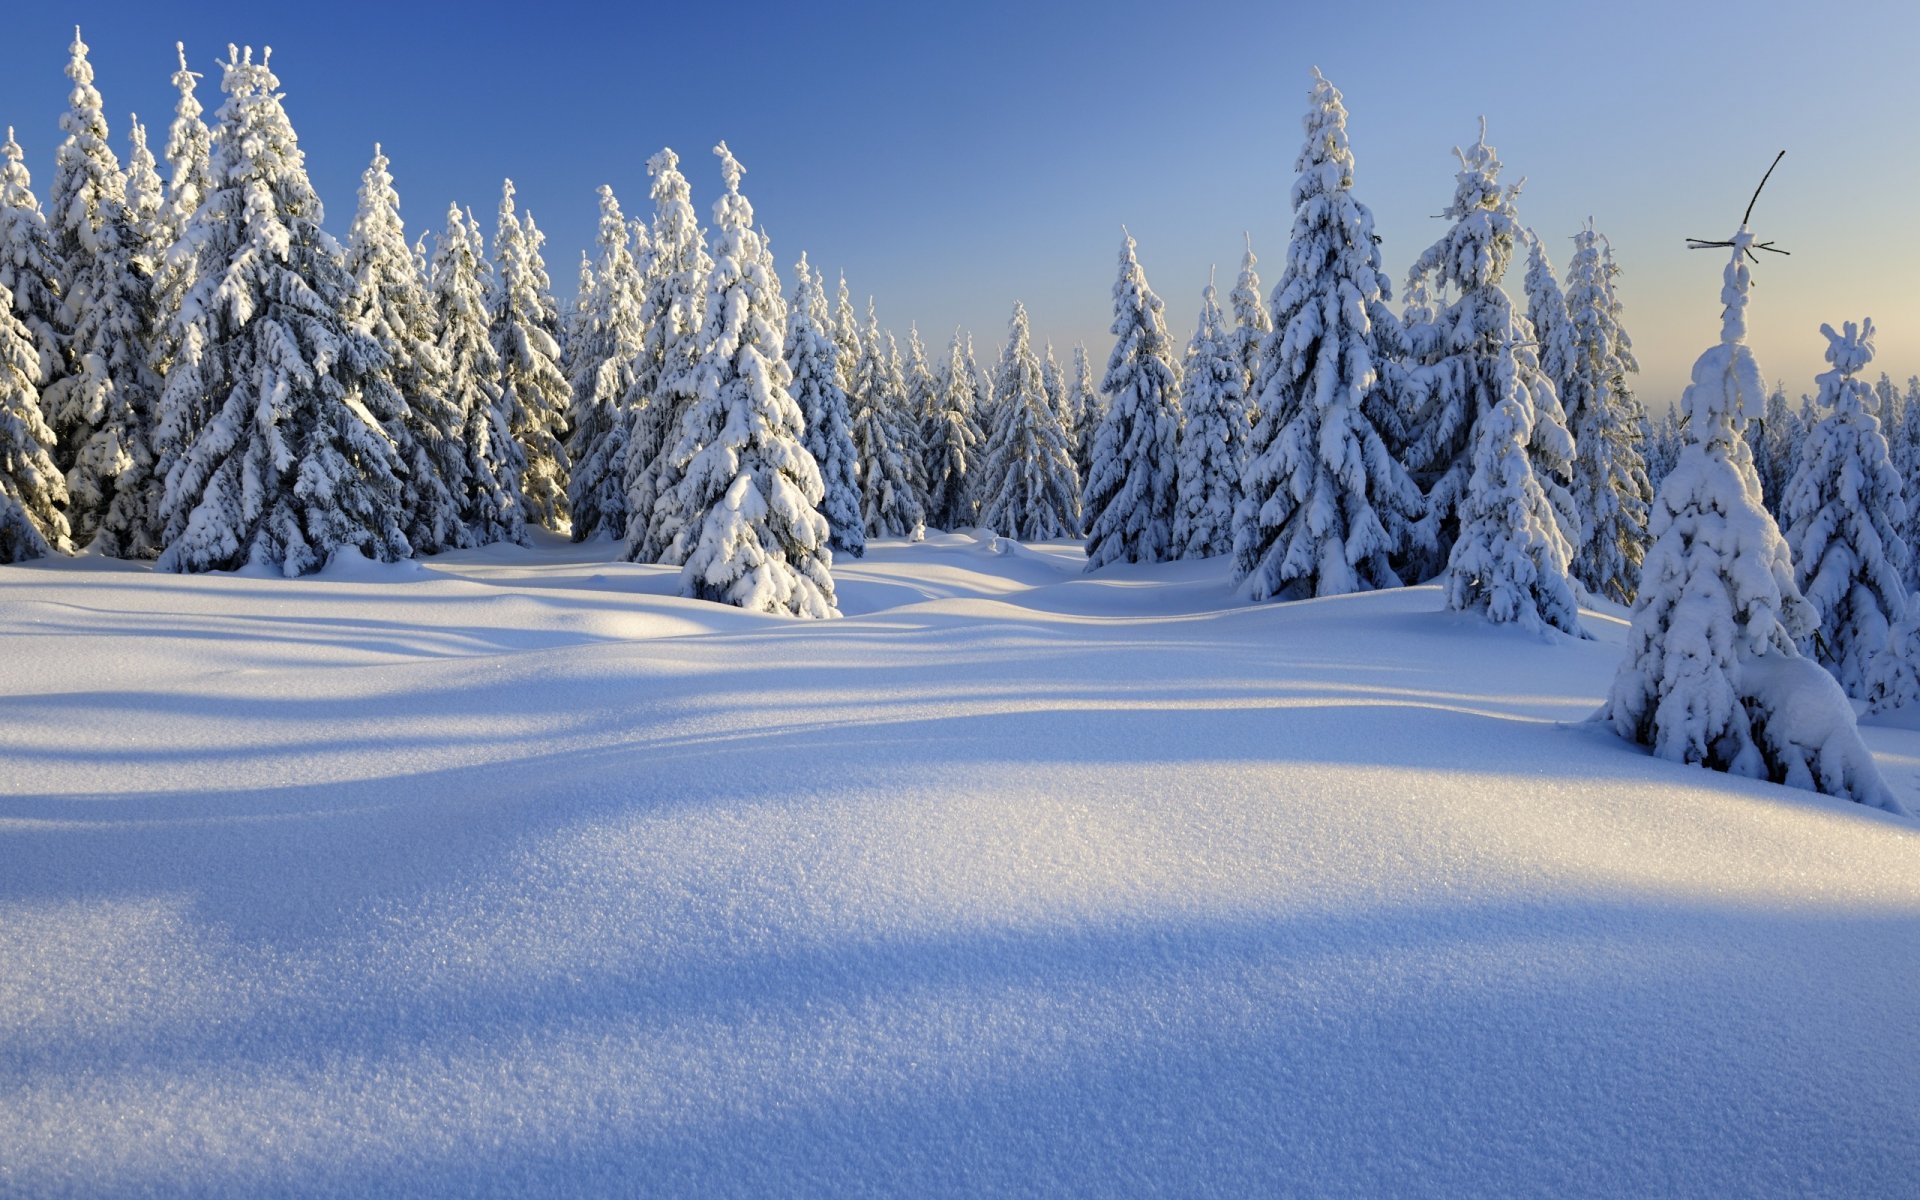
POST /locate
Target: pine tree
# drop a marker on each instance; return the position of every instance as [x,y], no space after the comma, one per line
[846,336]
[1466,349]
[1610,489]
[103,416]
[952,444]
[1130,489]
[1252,326]
[579,327]
[1553,349]
[491,508]
[1324,504]
[812,357]
[31,271]
[389,303]
[1711,674]
[1086,411]
[1847,520]
[533,392]
[189,150]
[674,288]
[146,195]
[1028,488]
[602,379]
[887,450]
[1213,447]
[31,490]
[1906,462]
[754,536]
[288,468]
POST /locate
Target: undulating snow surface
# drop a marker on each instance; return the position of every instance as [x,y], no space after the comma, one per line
[515,874]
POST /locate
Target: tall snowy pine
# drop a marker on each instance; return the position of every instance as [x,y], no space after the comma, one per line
[1213,448]
[1028,487]
[813,359]
[491,508]
[1131,485]
[533,390]
[888,451]
[952,443]
[1711,674]
[603,373]
[1846,520]
[288,467]
[1324,504]
[103,416]
[32,492]
[1252,326]
[1610,489]
[189,159]
[30,270]
[754,535]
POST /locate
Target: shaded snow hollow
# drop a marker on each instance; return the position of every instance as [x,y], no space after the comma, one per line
[513,874]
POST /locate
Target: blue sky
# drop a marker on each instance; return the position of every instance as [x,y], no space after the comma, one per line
[951,160]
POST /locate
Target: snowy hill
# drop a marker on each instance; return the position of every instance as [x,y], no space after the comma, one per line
[514,874]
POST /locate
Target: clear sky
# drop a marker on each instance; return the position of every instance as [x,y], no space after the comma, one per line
[951,159]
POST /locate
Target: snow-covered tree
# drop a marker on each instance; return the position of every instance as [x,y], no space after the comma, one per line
[1664,439]
[288,467]
[578,326]
[1085,411]
[1905,440]
[146,194]
[492,507]
[1711,674]
[1131,486]
[886,439]
[533,391]
[103,415]
[188,152]
[1252,325]
[1054,384]
[1324,505]
[603,372]
[1847,519]
[1213,447]
[1466,352]
[1028,489]
[389,303]
[846,336]
[812,358]
[673,290]
[30,270]
[952,444]
[754,535]
[1610,489]
[31,489]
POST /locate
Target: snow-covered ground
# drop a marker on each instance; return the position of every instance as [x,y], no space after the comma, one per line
[513,874]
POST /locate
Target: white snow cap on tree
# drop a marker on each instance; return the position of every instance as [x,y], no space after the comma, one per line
[1324,504]
[754,535]
[1213,448]
[1846,520]
[1029,489]
[1252,325]
[813,358]
[188,153]
[32,492]
[289,466]
[1131,485]
[1711,674]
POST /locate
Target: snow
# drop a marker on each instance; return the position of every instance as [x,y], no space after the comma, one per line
[511,872]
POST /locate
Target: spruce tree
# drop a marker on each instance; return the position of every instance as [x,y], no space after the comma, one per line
[103,416]
[146,196]
[1847,520]
[1610,490]
[1906,462]
[1213,447]
[812,357]
[287,469]
[188,153]
[1252,326]
[1085,411]
[754,535]
[846,336]
[889,501]
[30,270]
[953,444]
[673,290]
[32,492]
[533,391]
[1130,489]
[1324,505]
[603,373]
[1028,489]
[389,303]
[1465,350]
[1553,349]
[1711,674]
[578,327]
[491,507]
